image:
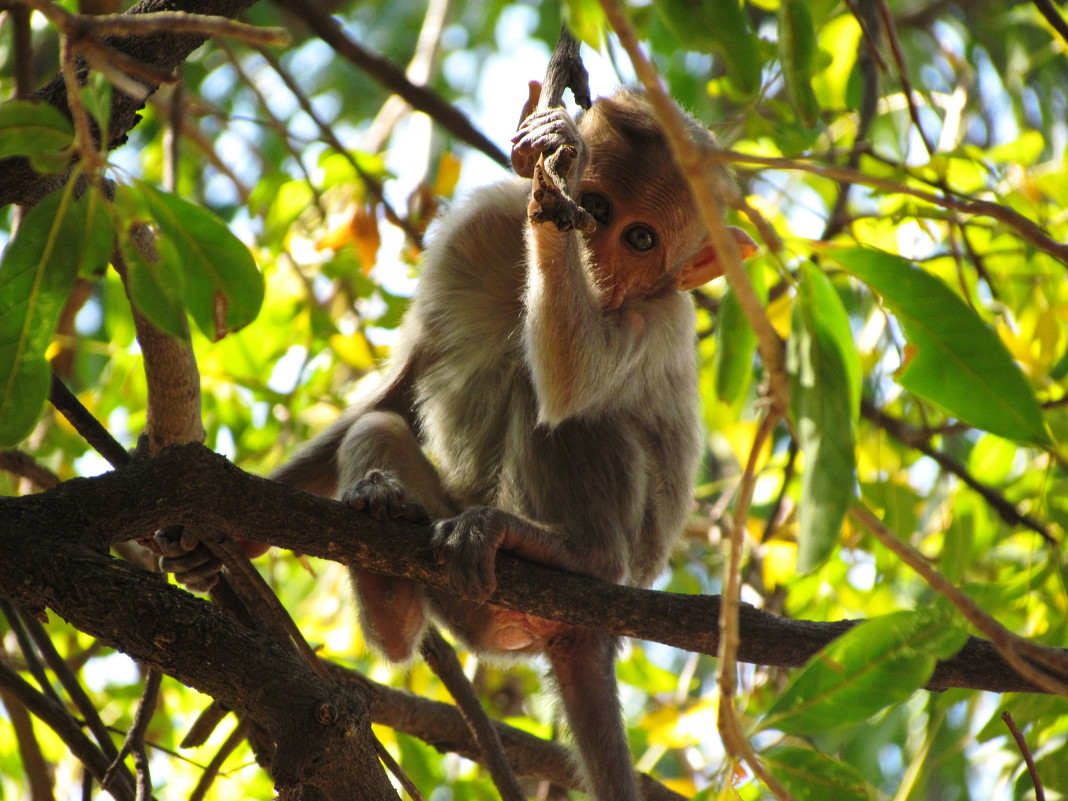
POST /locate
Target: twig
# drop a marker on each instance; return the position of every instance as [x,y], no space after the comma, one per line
[23,465]
[1021,743]
[53,715]
[81,27]
[398,772]
[1027,229]
[134,743]
[555,204]
[1053,17]
[392,78]
[212,769]
[85,424]
[374,187]
[418,72]
[565,71]
[70,684]
[902,73]
[1012,647]
[728,722]
[999,503]
[441,658]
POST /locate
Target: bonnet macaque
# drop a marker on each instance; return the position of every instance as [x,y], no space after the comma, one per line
[550,375]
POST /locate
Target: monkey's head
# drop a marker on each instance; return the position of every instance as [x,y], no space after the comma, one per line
[649,237]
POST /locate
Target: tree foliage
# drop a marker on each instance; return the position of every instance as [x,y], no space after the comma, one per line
[884,391]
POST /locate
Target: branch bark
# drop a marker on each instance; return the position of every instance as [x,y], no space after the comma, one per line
[189,485]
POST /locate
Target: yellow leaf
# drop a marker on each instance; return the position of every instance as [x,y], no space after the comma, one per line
[780,558]
[365,236]
[448,175]
[354,350]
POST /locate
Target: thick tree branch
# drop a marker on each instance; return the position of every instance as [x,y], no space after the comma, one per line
[189,485]
[322,729]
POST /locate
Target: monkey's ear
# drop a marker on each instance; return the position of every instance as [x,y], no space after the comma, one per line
[705,264]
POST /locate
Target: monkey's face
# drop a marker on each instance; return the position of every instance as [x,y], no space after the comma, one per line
[646,223]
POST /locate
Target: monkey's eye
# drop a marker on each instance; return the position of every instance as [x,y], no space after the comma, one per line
[598,206]
[640,237]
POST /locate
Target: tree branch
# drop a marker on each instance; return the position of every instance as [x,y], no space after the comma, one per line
[189,485]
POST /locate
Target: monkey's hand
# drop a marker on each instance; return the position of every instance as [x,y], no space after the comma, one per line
[549,148]
[467,545]
[184,555]
[381,495]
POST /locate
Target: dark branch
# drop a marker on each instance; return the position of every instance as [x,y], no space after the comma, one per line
[392,77]
[189,485]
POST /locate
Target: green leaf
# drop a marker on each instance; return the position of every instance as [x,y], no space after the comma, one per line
[222,288]
[733,362]
[57,239]
[825,368]
[811,776]
[797,50]
[720,27]
[35,129]
[953,358]
[877,664]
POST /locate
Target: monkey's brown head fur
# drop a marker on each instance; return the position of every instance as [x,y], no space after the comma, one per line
[649,238]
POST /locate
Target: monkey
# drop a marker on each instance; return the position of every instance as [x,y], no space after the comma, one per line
[542,401]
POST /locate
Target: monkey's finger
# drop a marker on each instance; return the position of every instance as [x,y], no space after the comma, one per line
[533,96]
[412,513]
[175,541]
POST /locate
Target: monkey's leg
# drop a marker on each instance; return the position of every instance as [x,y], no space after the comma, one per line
[583,664]
[383,471]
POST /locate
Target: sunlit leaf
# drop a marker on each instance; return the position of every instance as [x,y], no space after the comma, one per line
[877,664]
[953,359]
[823,363]
[222,288]
[35,129]
[155,279]
[720,27]
[736,343]
[811,776]
[58,238]
[797,51]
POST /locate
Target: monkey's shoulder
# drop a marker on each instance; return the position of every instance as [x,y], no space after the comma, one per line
[480,236]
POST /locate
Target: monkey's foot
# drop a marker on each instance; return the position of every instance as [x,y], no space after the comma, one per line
[381,495]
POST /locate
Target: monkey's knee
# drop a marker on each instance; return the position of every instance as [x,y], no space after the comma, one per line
[391,613]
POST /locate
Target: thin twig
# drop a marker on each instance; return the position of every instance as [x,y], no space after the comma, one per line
[1027,229]
[214,767]
[374,187]
[134,743]
[728,722]
[1011,647]
[81,26]
[441,658]
[392,78]
[915,439]
[419,72]
[398,772]
[1053,17]
[1021,743]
